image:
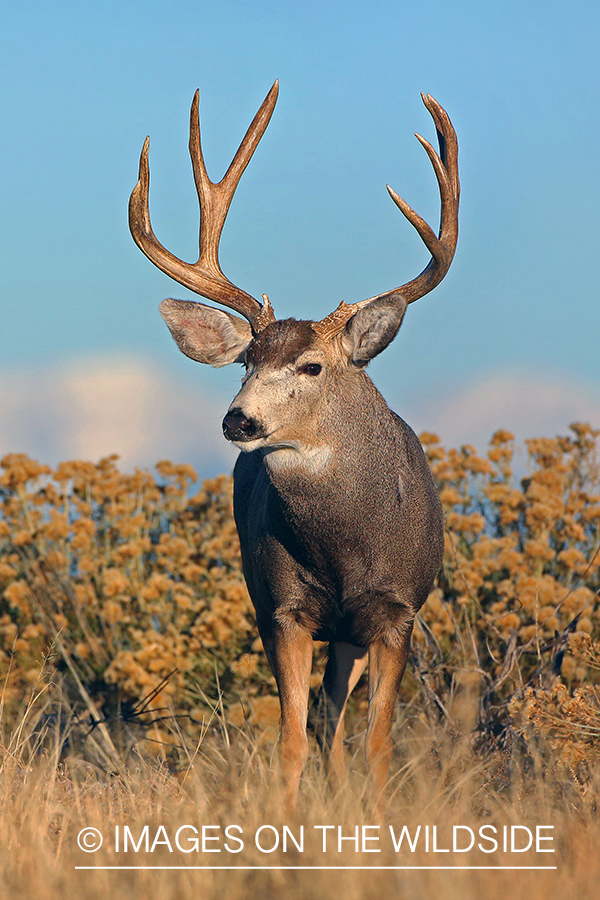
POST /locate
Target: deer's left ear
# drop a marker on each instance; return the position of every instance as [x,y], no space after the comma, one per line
[372,328]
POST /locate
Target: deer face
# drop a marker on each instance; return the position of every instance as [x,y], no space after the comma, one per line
[289,371]
[293,372]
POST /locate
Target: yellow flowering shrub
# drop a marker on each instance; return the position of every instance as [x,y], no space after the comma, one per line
[521,572]
[134,582]
[130,578]
[566,721]
[520,556]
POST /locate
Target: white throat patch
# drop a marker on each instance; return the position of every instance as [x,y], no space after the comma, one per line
[295,454]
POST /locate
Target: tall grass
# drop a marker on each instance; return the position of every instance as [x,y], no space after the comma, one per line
[49,795]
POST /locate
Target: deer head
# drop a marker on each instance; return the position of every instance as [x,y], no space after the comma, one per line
[295,359]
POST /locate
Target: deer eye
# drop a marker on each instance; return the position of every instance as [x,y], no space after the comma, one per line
[311,369]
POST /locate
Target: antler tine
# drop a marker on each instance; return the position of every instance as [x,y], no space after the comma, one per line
[441,246]
[447,140]
[205,276]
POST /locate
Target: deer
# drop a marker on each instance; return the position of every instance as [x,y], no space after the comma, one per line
[339,521]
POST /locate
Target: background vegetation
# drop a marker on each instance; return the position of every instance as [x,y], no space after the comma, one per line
[133,684]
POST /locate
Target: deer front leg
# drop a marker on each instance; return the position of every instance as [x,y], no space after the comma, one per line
[387,662]
[345,665]
[289,650]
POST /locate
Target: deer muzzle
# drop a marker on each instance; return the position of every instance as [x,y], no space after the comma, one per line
[238,427]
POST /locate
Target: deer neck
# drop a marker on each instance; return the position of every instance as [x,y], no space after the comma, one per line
[345,439]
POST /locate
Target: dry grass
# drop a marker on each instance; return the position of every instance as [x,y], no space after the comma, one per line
[49,793]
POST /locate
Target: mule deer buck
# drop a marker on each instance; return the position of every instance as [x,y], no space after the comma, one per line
[340,525]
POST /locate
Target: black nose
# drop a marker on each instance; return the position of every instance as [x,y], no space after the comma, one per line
[237,427]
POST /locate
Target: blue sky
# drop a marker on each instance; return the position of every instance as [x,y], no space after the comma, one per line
[510,337]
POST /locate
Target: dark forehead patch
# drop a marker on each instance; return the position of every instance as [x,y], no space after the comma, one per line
[280,343]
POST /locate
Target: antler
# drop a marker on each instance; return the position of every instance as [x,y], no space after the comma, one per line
[442,246]
[205,276]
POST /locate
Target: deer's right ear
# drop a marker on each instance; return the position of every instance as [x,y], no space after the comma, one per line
[206,334]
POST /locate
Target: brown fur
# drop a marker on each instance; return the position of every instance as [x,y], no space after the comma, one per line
[281,343]
[345,553]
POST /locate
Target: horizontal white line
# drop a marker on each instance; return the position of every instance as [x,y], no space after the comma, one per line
[339,868]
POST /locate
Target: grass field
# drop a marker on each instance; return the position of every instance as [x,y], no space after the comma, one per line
[228,793]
